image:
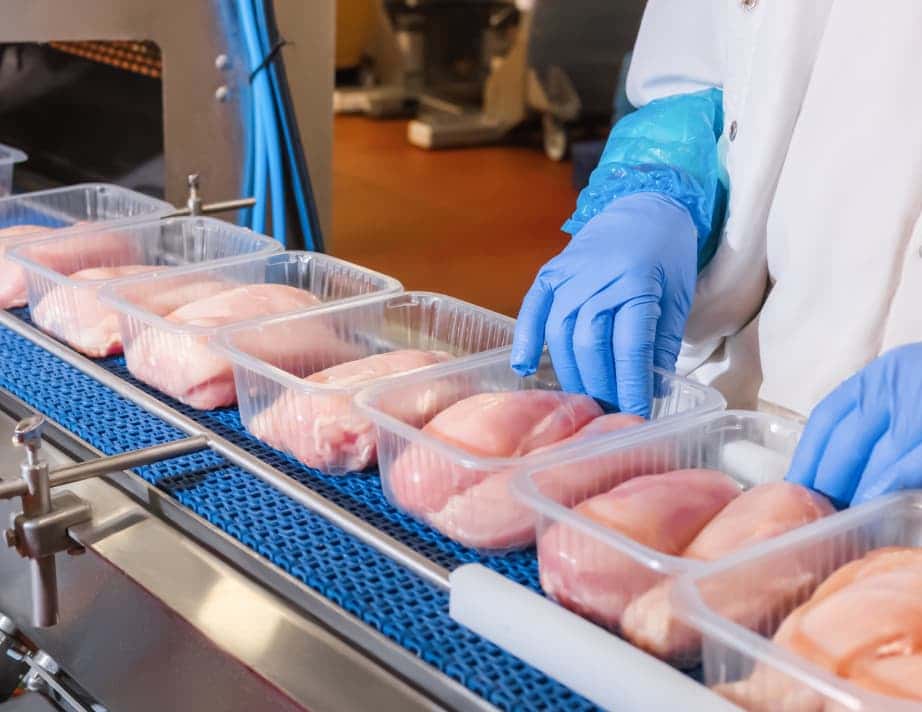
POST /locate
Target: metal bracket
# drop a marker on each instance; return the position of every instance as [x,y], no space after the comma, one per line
[40,531]
[47,535]
[195,206]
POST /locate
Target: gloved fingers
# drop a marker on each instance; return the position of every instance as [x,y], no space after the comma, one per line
[561,323]
[905,473]
[528,341]
[848,452]
[823,420]
[593,346]
[634,331]
[669,330]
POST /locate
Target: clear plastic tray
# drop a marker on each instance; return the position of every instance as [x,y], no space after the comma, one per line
[177,358]
[317,422]
[444,468]
[35,216]
[9,157]
[798,561]
[750,447]
[69,308]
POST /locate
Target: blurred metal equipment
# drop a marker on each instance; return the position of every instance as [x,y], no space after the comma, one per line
[562,66]
[197,50]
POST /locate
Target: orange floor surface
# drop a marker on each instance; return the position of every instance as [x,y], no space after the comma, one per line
[474,223]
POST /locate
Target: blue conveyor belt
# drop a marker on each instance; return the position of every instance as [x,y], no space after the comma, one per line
[364,582]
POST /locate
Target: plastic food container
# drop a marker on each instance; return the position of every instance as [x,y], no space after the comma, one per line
[178,359]
[801,559]
[35,216]
[317,422]
[9,157]
[434,480]
[750,447]
[69,308]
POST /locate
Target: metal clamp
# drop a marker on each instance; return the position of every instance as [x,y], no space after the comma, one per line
[40,531]
[195,206]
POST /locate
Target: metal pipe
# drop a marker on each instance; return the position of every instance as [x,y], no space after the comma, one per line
[402,554]
[127,461]
[112,463]
[223,206]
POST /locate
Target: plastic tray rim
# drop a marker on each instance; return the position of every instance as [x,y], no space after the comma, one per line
[525,489]
[14,155]
[16,253]
[109,295]
[238,357]
[464,458]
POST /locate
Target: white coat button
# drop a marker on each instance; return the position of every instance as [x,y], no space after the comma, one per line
[749,4]
[733,131]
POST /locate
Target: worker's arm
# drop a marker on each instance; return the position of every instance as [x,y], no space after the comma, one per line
[865,438]
[614,303]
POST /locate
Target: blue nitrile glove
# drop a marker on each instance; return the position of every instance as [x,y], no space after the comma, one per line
[865,438]
[614,303]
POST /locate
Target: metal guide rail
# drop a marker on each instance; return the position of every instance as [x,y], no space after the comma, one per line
[336,536]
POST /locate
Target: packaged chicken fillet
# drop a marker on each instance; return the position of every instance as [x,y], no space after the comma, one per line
[59,212]
[691,493]
[301,401]
[168,321]
[455,471]
[845,634]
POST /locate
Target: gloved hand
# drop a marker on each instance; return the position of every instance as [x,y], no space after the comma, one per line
[614,302]
[865,438]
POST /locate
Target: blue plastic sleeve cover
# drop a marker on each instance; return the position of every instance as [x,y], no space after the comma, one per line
[668,146]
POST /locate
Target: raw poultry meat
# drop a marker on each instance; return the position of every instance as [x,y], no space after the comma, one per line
[490,516]
[77,316]
[498,424]
[863,623]
[664,512]
[183,365]
[764,512]
[322,429]
[12,276]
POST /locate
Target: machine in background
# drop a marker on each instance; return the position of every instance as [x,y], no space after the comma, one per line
[474,71]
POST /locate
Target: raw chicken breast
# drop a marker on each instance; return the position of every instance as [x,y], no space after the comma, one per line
[490,516]
[764,512]
[185,367]
[77,317]
[324,430]
[864,623]
[503,424]
[12,276]
[664,512]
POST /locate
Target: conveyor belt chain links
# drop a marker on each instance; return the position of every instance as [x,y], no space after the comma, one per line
[40,531]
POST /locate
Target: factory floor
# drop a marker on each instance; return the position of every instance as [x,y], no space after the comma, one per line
[473,223]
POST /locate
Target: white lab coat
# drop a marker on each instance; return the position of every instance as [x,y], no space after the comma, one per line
[819,268]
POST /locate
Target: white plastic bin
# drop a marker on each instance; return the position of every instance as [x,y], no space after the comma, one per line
[607,576]
[317,422]
[35,216]
[178,358]
[435,480]
[742,662]
[9,157]
[69,308]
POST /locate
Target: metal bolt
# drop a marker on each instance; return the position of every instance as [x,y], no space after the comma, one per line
[222,61]
[222,93]
[733,131]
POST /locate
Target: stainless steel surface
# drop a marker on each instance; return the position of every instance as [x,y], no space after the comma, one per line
[29,703]
[150,616]
[202,135]
[113,463]
[46,535]
[420,565]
